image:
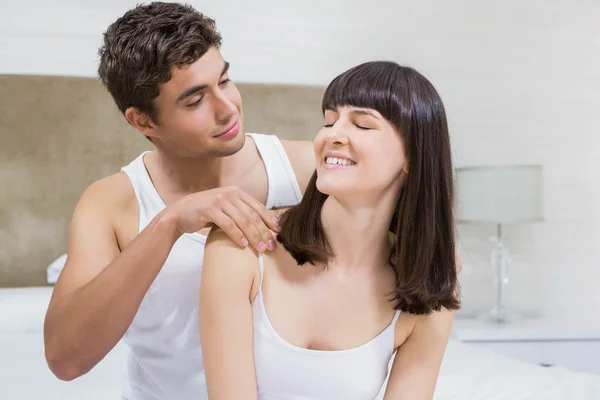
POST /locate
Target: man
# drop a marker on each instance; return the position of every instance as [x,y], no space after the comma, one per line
[137,237]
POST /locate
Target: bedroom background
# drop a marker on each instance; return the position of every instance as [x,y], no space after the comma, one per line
[520,81]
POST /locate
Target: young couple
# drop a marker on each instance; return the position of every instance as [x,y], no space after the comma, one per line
[356,275]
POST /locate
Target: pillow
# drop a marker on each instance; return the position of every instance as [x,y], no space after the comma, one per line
[55,268]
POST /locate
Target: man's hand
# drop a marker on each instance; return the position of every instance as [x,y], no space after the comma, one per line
[243,218]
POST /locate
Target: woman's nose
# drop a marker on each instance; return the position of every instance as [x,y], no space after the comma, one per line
[337,135]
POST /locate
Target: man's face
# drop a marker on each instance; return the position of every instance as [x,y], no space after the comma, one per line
[200,110]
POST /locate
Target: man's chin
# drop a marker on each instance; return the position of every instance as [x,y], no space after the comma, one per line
[230,147]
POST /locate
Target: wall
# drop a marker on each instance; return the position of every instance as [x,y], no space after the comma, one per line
[521,82]
[59,134]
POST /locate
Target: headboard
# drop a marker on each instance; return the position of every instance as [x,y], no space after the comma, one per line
[59,134]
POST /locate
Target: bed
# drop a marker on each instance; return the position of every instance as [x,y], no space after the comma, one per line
[24,374]
[467,372]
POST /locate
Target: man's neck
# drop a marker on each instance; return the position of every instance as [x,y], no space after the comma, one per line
[175,177]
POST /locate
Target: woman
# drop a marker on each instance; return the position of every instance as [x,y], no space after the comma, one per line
[376,228]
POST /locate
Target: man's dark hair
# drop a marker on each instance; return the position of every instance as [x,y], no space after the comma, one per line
[423,255]
[142,46]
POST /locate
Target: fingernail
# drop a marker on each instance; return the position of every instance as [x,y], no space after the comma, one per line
[271,244]
[244,242]
[262,246]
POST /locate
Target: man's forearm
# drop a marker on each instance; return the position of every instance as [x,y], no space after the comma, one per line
[84,326]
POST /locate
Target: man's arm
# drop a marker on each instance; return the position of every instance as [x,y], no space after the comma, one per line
[416,366]
[302,157]
[226,319]
[101,288]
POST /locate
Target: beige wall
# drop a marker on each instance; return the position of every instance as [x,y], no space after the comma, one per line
[60,134]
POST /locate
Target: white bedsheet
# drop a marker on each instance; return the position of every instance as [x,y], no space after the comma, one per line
[468,373]
[475,373]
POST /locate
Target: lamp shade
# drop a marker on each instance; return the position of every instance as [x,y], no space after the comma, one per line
[499,195]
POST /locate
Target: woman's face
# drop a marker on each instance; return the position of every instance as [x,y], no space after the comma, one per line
[359,155]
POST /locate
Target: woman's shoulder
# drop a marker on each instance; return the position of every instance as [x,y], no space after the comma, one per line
[219,244]
[218,237]
[224,260]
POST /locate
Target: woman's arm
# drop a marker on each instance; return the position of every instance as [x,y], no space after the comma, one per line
[226,331]
[416,367]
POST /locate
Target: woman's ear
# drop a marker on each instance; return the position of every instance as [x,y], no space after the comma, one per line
[458,261]
[405,167]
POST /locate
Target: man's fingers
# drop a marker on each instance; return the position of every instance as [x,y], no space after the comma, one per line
[269,218]
[242,219]
[250,217]
[230,228]
[255,218]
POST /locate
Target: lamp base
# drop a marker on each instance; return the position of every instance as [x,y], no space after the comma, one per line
[500,315]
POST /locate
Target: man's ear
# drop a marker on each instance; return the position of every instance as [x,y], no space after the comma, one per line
[142,122]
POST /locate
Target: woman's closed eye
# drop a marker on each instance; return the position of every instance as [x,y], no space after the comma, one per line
[364,128]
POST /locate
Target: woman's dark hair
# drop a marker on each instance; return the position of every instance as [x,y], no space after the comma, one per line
[423,254]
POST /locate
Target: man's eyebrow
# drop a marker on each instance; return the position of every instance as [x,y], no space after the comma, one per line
[197,88]
[190,91]
[225,68]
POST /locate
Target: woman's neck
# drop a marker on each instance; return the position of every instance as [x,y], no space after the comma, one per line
[359,236]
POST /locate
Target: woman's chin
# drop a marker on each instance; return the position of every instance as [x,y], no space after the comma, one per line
[335,189]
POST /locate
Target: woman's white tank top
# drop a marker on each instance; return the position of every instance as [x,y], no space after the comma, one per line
[285,371]
[165,360]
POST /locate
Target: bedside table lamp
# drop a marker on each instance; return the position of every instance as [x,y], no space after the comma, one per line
[499,195]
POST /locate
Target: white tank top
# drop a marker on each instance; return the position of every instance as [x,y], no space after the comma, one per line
[285,371]
[165,360]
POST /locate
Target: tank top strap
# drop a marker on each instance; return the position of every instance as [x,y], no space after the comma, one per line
[149,200]
[283,188]
[261,266]
[132,170]
[395,319]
